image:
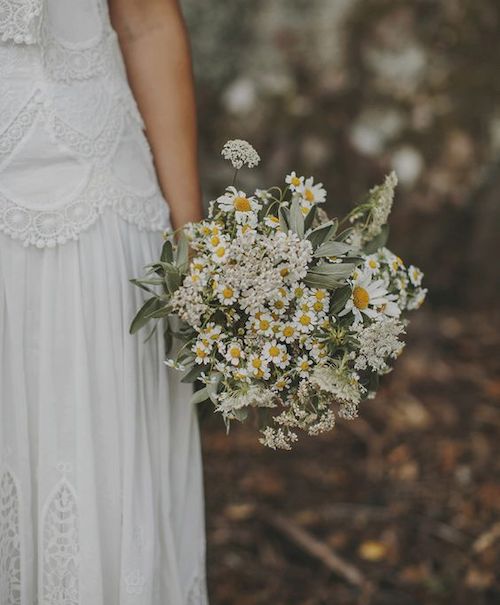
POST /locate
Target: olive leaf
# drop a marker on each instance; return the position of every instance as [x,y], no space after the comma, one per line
[143,316]
[323,233]
[296,219]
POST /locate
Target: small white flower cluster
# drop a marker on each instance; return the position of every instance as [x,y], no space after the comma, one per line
[280,318]
[240,153]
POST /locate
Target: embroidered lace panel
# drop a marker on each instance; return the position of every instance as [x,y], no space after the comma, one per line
[20,20]
[10,540]
[61,548]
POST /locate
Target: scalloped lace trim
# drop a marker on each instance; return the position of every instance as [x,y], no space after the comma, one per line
[20,20]
[48,228]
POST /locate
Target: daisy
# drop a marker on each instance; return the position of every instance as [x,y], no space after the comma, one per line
[258,367]
[263,324]
[372,265]
[304,320]
[202,352]
[311,193]
[368,297]
[294,181]
[274,352]
[234,353]
[272,221]
[226,294]
[244,207]
[281,384]
[304,366]
[415,275]
[288,333]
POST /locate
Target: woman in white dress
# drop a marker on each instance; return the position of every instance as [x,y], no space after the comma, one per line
[101,499]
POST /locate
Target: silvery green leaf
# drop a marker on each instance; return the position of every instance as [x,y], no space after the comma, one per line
[200,396]
[182,251]
[309,218]
[379,241]
[339,270]
[141,284]
[143,315]
[297,219]
[167,252]
[332,248]
[319,280]
[284,216]
[173,281]
[339,299]
[323,233]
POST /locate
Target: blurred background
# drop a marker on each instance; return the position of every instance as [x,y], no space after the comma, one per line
[401,506]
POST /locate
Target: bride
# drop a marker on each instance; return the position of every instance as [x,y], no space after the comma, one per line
[101,499]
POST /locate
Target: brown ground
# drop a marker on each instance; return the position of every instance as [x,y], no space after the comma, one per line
[408,496]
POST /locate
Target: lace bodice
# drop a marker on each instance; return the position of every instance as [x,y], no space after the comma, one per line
[71,136]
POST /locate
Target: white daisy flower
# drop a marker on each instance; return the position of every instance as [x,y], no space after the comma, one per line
[272,221]
[282,383]
[288,332]
[312,193]
[415,275]
[368,297]
[234,353]
[304,320]
[304,366]
[226,294]
[274,352]
[372,265]
[294,181]
[263,324]
[244,207]
[258,367]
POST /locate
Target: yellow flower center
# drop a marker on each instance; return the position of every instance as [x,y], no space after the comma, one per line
[360,297]
[279,304]
[304,365]
[320,295]
[284,272]
[295,181]
[242,204]
[227,292]
[256,363]
[372,263]
[318,306]
[309,195]
[201,353]
[288,331]
[264,324]
[274,351]
[305,320]
[220,251]
[299,292]
[234,352]
[215,240]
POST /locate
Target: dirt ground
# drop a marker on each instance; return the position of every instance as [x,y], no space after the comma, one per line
[397,508]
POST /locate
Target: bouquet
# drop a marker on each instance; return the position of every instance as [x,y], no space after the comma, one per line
[282,312]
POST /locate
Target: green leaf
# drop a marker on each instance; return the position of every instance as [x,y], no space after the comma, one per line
[378,241]
[330,276]
[323,233]
[332,248]
[167,252]
[173,280]
[309,218]
[284,216]
[194,373]
[200,396]
[182,251]
[297,219]
[139,283]
[339,270]
[339,299]
[143,315]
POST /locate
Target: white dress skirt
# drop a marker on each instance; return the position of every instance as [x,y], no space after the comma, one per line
[101,494]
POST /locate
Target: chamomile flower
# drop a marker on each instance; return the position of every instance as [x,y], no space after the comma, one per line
[294,181]
[274,352]
[304,319]
[372,265]
[258,367]
[263,324]
[281,384]
[234,353]
[202,352]
[227,294]
[304,366]
[244,207]
[368,297]
[288,332]
[220,253]
[415,275]
[272,221]
[312,193]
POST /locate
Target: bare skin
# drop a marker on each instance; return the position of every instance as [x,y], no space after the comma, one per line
[155,47]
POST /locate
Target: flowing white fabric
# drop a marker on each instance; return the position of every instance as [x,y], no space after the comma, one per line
[101,496]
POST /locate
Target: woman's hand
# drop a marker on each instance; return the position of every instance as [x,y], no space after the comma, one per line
[156,51]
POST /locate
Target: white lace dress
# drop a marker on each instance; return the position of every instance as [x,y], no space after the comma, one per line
[101,499]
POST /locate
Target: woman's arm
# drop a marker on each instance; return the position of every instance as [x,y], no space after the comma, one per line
[156,51]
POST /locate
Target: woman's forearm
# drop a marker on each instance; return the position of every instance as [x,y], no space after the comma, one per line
[156,51]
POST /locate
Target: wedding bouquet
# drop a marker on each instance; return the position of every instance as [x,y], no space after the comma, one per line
[280,310]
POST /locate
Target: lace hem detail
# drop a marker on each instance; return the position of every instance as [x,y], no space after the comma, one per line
[198,593]
[20,20]
[10,540]
[48,228]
